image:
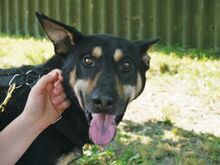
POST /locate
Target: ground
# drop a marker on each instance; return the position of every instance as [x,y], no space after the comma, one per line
[184,90]
[176,120]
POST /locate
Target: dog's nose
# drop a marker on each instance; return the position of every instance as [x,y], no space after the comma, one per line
[102,101]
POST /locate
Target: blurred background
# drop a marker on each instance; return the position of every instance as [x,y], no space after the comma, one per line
[176,120]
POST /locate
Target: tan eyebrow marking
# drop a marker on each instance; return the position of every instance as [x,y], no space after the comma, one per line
[118,55]
[97,52]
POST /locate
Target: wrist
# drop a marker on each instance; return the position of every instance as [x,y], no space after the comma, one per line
[33,122]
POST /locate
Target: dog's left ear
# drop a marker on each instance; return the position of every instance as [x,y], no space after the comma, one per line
[143,46]
[63,37]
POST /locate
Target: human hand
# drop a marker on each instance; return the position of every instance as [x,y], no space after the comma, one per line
[47,100]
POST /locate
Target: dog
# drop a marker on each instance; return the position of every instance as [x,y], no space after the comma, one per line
[102,75]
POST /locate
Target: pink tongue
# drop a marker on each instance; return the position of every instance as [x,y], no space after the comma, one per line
[102,128]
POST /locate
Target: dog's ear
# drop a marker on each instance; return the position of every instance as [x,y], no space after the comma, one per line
[63,37]
[143,46]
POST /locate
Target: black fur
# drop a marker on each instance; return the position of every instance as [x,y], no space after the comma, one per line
[71,132]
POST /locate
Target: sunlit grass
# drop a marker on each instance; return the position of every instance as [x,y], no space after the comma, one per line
[187,75]
[21,51]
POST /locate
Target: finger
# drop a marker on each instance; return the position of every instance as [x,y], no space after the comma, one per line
[57,83]
[59,72]
[62,107]
[44,82]
[58,90]
[57,100]
[60,77]
[51,77]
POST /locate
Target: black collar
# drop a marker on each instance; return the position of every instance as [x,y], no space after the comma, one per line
[29,78]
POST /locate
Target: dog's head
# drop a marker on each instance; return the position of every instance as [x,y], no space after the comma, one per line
[104,72]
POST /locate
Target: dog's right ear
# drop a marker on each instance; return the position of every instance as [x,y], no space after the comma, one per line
[63,37]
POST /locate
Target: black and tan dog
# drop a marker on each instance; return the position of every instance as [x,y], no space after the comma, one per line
[102,74]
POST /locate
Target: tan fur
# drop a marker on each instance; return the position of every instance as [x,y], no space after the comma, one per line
[75,84]
[124,91]
[139,84]
[72,77]
[56,33]
[79,86]
[130,92]
[97,52]
[92,83]
[71,38]
[119,87]
[68,158]
[118,55]
[133,91]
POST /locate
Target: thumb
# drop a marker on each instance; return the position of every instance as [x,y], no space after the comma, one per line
[49,78]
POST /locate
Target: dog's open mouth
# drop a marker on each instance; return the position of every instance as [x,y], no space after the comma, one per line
[102,128]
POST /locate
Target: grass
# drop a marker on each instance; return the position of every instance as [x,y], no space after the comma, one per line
[174,122]
[155,142]
[191,53]
[23,51]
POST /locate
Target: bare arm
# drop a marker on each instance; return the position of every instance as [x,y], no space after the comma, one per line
[16,138]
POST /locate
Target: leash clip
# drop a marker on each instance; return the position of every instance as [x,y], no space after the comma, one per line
[11,81]
[28,83]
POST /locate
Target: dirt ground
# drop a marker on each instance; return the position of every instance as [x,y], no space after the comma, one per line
[191,105]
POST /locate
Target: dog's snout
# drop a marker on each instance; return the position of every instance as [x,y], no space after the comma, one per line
[101,101]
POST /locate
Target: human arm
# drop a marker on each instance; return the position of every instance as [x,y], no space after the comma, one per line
[45,104]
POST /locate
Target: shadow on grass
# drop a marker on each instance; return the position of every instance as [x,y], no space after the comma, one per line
[155,143]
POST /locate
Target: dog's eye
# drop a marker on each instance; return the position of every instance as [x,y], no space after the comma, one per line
[88,62]
[126,65]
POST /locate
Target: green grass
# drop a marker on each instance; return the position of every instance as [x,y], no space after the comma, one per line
[161,132]
[191,53]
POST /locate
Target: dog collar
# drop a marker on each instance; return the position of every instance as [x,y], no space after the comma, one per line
[13,82]
[28,78]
